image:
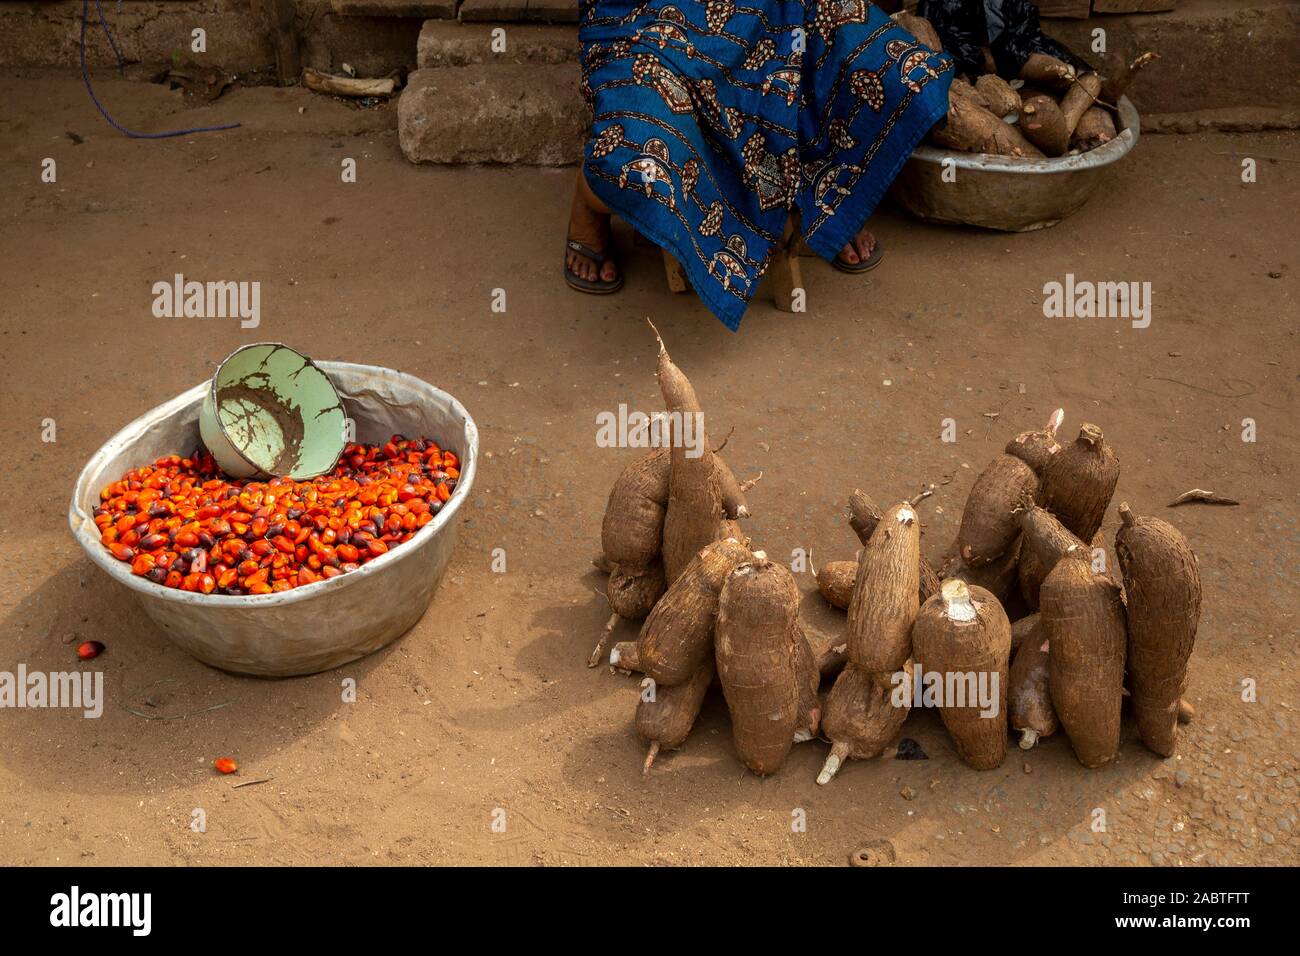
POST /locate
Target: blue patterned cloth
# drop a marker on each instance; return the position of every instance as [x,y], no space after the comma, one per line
[714,119]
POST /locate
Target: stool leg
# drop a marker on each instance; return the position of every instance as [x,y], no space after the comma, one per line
[786,272]
[673,272]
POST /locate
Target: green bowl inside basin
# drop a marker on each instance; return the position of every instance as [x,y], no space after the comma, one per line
[271,412]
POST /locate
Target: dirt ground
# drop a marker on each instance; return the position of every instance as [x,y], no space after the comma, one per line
[487,704]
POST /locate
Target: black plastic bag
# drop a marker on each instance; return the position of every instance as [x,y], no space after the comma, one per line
[1010,28]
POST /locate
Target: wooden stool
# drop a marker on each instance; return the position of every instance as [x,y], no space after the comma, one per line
[784,272]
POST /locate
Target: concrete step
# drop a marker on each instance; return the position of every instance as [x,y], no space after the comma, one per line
[449,43]
[548,11]
[525,113]
[467,104]
[1212,55]
[405,9]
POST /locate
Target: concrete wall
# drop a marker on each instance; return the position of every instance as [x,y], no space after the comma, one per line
[157,32]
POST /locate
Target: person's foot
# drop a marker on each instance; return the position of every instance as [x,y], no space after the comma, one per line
[589,226]
[859,248]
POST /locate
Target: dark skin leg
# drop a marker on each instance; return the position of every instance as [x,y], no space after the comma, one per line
[589,225]
[859,249]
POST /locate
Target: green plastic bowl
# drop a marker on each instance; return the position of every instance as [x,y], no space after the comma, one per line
[270,412]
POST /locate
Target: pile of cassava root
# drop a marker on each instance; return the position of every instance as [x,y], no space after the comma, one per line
[1083,638]
[1050,109]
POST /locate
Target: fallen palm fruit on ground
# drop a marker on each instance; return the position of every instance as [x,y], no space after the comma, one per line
[181,523]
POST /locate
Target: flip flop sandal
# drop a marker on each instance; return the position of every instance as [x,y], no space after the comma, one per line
[855,268]
[596,286]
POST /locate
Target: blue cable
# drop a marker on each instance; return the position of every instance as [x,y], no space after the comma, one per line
[85,75]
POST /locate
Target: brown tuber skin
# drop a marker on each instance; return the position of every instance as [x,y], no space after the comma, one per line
[1095,128]
[1043,123]
[1162,581]
[1083,615]
[694,516]
[997,577]
[973,129]
[1022,629]
[1046,541]
[1078,483]
[633,592]
[885,598]
[809,677]
[624,656]
[1080,98]
[1047,71]
[964,630]
[1028,693]
[922,29]
[1036,448]
[677,637]
[864,713]
[864,515]
[999,98]
[1116,85]
[665,715]
[989,525]
[756,646]
[835,581]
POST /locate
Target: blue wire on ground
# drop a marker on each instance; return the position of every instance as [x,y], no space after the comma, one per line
[85,75]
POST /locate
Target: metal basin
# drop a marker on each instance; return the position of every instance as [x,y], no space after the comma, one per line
[1001,192]
[318,626]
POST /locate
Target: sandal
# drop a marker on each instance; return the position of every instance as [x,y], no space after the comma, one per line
[595,286]
[866,265]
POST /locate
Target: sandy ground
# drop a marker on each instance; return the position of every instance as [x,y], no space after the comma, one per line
[487,703]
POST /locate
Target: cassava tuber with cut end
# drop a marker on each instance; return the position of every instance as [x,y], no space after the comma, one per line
[864,515]
[988,521]
[1036,448]
[1117,83]
[1078,483]
[999,98]
[922,29]
[677,637]
[757,656]
[1047,71]
[973,129]
[885,596]
[1162,582]
[835,582]
[863,714]
[1083,615]
[624,656]
[1028,695]
[1045,542]
[665,715]
[963,635]
[1095,128]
